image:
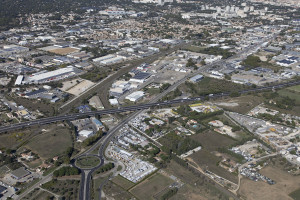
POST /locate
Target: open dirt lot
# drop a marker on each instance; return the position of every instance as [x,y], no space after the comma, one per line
[69,84]
[81,87]
[285,184]
[64,51]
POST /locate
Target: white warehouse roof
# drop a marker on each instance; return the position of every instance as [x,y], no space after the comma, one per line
[51,74]
[135,96]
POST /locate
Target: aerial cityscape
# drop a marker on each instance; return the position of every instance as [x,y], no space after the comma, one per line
[150,100]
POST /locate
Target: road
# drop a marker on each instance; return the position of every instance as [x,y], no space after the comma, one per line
[86,174]
[152,103]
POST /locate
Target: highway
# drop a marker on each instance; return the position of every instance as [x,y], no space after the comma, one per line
[74,116]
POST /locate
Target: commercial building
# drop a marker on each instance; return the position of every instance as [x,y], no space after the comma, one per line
[196,78]
[52,75]
[135,96]
[19,80]
[140,77]
[20,173]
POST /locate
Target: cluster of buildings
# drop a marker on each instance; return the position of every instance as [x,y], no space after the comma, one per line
[136,169]
[87,127]
[129,137]
[279,137]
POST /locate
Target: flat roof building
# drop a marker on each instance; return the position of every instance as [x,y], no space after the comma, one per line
[20,173]
[135,96]
[53,75]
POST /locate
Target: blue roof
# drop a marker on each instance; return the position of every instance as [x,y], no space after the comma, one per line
[142,75]
[96,121]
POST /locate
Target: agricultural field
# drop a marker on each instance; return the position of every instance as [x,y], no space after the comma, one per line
[151,186]
[51,143]
[122,182]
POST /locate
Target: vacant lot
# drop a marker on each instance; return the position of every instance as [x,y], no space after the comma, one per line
[113,191]
[68,189]
[122,182]
[210,86]
[204,158]
[81,87]
[151,186]
[14,139]
[51,143]
[46,109]
[285,184]
[196,187]
[182,173]
[242,104]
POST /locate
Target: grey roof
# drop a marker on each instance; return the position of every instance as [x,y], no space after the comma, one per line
[20,173]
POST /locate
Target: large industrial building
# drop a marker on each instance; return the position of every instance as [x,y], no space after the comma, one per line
[58,74]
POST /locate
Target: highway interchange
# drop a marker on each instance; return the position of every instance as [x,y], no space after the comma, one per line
[84,193]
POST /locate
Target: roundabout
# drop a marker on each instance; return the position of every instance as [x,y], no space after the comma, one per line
[87,162]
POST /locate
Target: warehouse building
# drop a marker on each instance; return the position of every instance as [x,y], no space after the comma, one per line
[20,173]
[196,78]
[135,96]
[140,77]
[19,80]
[53,75]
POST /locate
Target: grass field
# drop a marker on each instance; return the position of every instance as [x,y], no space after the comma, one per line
[210,85]
[295,195]
[87,162]
[51,143]
[290,93]
[295,88]
[122,182]
[242,104]
[181,173]
[211,140]
[151,186]
[196,187]
[47,109]
[35,163]
[113,191]
[204,158]
[14,139]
